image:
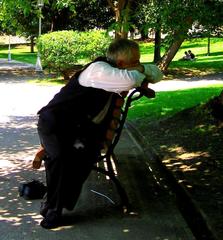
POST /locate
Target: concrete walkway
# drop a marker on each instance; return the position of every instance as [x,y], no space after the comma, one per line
[95,217]
[193,82]
[15,65]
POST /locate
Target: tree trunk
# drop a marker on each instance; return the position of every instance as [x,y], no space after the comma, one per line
[121,10]
[157,56]
[171,52]
[178,38]
[209,44]
[32,44]
[144,34]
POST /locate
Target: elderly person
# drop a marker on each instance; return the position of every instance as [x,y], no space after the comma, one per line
[70,130]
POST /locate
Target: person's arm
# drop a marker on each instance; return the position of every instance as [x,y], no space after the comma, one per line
[152,73]
[104,76]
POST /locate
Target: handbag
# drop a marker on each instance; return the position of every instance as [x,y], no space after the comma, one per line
[32,190]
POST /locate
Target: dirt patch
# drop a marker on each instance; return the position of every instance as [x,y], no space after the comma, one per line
[190,145]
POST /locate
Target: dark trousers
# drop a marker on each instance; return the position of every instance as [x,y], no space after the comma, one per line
[67,167]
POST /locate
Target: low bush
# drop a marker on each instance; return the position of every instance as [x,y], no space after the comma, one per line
[62,51]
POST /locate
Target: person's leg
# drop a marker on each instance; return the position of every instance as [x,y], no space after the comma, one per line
[77,171]
[77,165]
[50,209]
[65,178]
[67,169]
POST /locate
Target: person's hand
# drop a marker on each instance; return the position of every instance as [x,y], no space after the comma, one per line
[147,92]
[144,84]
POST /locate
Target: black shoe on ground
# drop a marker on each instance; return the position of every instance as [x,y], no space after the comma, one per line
[51,220]
[44,209]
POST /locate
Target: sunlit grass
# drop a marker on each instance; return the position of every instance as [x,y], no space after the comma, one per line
[168,103]
[19,53]
[204,63]
[147,51]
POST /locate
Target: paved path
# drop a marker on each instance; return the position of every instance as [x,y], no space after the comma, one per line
[12,65]
[176,84]
[94,217]
[20,102]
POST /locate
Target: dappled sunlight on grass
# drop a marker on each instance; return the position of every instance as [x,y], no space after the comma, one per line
[216,56]
[204,64]
[190,155]
[184,160]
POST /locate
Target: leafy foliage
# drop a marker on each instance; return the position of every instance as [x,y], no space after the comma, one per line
[64,49]
[19,17]
[173,17]
[92,14]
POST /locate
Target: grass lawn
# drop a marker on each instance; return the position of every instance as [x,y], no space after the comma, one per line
[20,53]
[203,65]
[166,104]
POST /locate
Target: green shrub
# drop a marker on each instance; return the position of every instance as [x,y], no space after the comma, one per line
[64,49]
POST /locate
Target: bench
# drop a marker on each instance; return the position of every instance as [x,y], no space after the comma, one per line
[113,133]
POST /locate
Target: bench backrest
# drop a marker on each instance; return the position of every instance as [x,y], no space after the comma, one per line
[119,112]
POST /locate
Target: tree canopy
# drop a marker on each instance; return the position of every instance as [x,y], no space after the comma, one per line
[172,18]
[175,17]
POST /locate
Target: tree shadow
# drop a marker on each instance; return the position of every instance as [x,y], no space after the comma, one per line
[17,76]
[18,136]
[19,141]
[190,146]
[94,216]
[219,54]
[194,45]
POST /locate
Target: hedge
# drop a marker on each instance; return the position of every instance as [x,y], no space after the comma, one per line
[64,50]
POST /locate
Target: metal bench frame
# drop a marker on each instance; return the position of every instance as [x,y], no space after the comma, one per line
[109,156]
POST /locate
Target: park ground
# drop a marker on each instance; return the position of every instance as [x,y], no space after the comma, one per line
[189,144]
[94,217]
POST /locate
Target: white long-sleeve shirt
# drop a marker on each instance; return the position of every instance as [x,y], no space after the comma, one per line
[103,76]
